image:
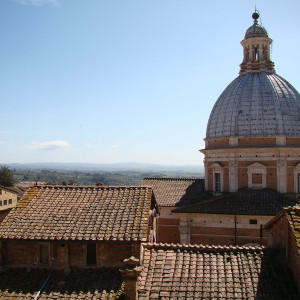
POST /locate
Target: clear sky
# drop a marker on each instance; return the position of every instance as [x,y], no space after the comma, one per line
[105,81]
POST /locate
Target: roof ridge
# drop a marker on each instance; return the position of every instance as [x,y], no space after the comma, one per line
[91,186]
[173,178]
[203,247]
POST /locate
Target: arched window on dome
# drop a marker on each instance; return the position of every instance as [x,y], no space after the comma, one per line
[255,53]
[257,174]
[218,172]
[297,179]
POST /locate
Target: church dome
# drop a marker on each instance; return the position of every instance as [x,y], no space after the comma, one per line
[256,30]
[258,102]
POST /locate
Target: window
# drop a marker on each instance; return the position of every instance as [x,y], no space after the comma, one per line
[5,202]
[91,257]
[217,188]
[253,221]
[9,201]
[256,178]
[0,202]
[255,54]
[217,177]
[44,254]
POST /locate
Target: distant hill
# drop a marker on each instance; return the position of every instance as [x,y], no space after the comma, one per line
[132,166]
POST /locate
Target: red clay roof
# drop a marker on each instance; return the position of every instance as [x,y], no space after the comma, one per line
[293,216]
[80,213]
[202,272]
[248,201]
[177,191]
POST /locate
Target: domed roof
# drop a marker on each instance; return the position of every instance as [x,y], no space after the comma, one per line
[256,30]
[256,104]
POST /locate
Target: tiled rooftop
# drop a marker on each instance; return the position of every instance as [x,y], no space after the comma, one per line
[293,215]
[80,213]
[22,283]
[244,202]
[177,191]
[199,272]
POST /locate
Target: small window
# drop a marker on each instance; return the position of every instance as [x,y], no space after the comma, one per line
[9,201]
[5,202]
[217,182]
[253,221]
[1,203]
[255,54]
[91,259]
[256,178]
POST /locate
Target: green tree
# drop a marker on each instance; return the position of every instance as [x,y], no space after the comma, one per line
[6,176]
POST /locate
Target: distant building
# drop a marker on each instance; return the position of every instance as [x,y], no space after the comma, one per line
[8,200]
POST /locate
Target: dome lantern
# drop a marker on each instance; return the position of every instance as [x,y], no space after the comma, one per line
[256,46]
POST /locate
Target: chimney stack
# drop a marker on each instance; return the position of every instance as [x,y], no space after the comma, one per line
[130,275]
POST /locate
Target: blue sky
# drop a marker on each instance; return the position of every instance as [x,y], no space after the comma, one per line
[105,81]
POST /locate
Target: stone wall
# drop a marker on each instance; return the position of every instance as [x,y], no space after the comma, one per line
[280,235]
[210,229]
[168,230]
[66,254]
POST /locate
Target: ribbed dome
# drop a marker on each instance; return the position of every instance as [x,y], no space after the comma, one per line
[256,104]
[256,30]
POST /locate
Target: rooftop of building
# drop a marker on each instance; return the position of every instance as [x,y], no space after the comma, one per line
[203,272]
[177,191]
[80,213]
[244,202]
[293,215]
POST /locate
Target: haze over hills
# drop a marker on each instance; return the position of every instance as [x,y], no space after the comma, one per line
[132,166]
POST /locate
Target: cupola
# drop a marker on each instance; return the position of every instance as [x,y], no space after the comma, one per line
[256,45]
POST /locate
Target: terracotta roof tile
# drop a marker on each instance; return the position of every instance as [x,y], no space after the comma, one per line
[177,191]
[244,202]
[80,213]
[200,272]
[22,283]
[293,216]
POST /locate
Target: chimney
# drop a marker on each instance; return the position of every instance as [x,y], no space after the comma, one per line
[130,275]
